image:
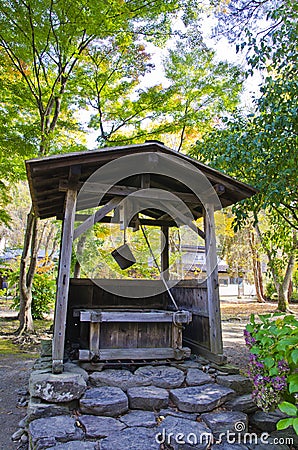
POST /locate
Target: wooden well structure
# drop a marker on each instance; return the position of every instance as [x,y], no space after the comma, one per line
[99,325]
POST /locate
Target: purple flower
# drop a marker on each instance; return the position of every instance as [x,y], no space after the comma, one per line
[258,379]
[260,365]
[283,365]
[279,383]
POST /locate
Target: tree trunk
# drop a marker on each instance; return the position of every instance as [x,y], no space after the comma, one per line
[283,303]
[283,299]
[79,252]
[27,270]
[257,270]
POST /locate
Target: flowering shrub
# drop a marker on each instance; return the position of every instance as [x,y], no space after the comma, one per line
[273,344]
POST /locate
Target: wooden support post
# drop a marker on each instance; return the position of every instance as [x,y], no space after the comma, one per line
[94,340]
[165,252]
[63,281]
[212,281]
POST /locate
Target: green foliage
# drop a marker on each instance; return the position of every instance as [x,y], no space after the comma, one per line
[271,291]
[273,344]
[291,410]
[43,293]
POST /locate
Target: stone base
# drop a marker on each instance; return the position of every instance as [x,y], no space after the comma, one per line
[179,406]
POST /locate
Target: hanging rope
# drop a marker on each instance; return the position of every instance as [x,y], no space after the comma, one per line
[159,269]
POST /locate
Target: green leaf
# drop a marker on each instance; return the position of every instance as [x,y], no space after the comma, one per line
[294,356]
[295,425]
[288,408]
[269,362]
[255,350]
[249,328]
[284,423]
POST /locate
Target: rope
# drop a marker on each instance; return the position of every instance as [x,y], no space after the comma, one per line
[159,270]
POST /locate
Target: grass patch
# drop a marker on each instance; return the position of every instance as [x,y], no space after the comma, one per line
[8,348]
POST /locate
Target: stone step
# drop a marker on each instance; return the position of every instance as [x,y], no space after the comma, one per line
[240,384]
[162,376]
[123,379]
[104,401]
[222,422]
[200,398]
[149,398]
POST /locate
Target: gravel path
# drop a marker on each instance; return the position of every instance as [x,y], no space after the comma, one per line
[14,375]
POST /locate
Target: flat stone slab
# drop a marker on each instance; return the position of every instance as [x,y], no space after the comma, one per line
[162,376]
[148,398]
[137,438]
[223,421]
[38,408]
[227,368]
[176,413]
[99,427]
[104,401]
[54,429]
[183,434]
[243,403]
[78,445]
[196,377]
[123,379]
[75,368]
[283,436]
[58,388]
[139,419]
[200,398]
[240,384]
[266,421]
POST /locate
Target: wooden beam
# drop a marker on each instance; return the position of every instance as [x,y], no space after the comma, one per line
[145,181]
[96,217]
[92,315]
[164,257]
[212,281]
[124,191]
[136,353]
[107,219]
[179,215]
[63,281]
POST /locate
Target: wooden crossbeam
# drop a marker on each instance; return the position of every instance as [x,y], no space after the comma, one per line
[96,217]
[124,191]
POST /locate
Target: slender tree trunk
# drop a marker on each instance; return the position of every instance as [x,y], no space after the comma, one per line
[283,298]
[257,272]
[80,249]
[27,270]
[282,287]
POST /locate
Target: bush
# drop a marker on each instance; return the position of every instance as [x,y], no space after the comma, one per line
[270,291]
[43,294]
[273,344]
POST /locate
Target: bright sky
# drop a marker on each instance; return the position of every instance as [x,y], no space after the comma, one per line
[224,51]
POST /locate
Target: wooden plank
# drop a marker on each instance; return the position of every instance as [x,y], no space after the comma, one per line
[107,219]
[136,353]
[165,257]
[96,217]
[63,281]
[123,191]
[131,316]
[145,180]
[180,216]
[216,345]
[94,340]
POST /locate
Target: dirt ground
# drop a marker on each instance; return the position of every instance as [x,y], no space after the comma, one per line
[14,375]
[15,366]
